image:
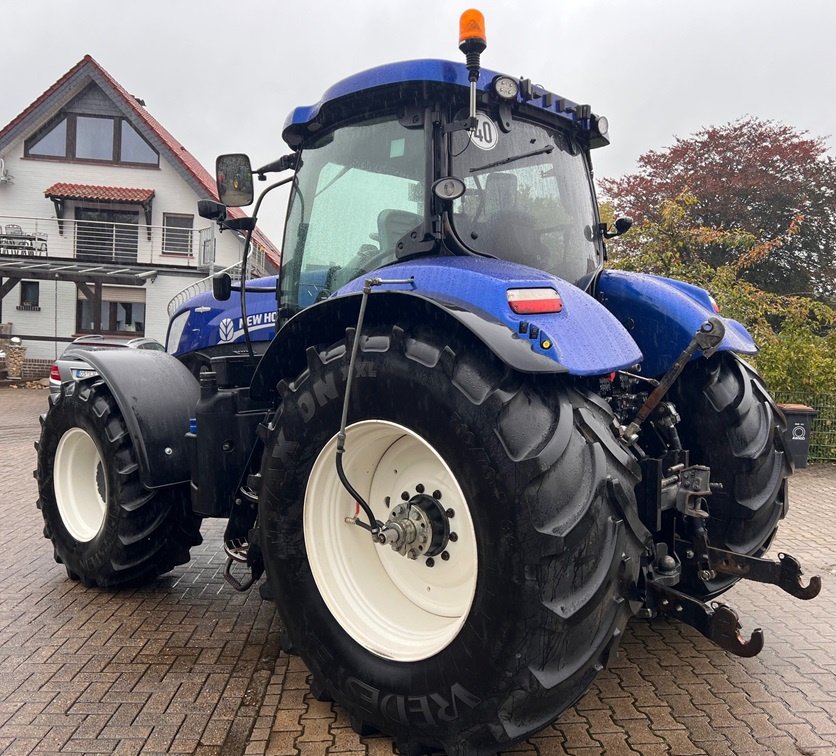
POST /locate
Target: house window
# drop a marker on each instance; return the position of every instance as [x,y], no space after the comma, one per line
[29,295]
[98,138]
[121,310]
[177,234]
[133,148]
[93,138]
[50,143]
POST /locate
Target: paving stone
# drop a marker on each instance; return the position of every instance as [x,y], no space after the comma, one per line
[186,665]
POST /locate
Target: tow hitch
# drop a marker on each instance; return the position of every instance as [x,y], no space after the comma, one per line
[785,573]
[685,490]
[719,622]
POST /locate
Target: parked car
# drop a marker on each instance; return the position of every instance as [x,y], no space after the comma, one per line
[70,366]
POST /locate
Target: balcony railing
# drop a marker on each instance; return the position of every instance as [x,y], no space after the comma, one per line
[108,243]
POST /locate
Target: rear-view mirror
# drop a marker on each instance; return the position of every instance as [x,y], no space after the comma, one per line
[234,175]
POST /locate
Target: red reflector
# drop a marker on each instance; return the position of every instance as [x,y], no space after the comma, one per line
[54,373]
[534,301]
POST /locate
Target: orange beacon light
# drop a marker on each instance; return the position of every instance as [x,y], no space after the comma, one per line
[472,37]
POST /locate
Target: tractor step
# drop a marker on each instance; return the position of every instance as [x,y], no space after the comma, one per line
[237,552]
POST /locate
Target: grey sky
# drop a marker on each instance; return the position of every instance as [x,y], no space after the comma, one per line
[222,76]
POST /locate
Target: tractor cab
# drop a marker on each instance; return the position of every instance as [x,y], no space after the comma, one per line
[393,165]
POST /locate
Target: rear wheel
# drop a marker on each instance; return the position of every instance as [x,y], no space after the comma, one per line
[485,630]
[732,424]
[105,526]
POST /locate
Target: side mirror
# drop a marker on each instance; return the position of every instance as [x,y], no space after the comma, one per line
[234,175]
[211,210]
[622,226]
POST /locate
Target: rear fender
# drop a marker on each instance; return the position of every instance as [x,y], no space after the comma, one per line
[662,315]
[468,295]
[156,395]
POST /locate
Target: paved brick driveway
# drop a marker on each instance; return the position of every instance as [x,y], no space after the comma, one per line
[187,665]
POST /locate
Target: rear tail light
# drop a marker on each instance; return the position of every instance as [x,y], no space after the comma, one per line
[54,373]
[534,301]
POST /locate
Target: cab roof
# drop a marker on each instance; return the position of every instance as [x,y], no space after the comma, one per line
[418,72]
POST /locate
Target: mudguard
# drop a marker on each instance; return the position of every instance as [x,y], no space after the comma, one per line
[156,395]
[469,293]
[662,315]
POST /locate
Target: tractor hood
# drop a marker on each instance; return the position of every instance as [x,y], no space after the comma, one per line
[204,321]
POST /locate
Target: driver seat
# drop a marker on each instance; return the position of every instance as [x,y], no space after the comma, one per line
[393,225]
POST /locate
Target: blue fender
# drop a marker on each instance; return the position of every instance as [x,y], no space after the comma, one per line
[582,339]
[156,395]
[462,293]
[662,315]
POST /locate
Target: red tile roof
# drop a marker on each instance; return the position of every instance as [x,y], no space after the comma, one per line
[176,151]
[106,193]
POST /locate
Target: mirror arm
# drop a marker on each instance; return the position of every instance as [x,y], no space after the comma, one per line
[284,163]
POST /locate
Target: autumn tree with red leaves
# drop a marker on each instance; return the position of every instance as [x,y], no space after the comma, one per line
[751,179]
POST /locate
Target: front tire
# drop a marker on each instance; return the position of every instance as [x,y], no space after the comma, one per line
[494,640]
[106,527]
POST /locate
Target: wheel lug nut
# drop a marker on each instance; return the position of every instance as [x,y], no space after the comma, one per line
[450,513]
[430,562]
[405,496]
[445,555]
[420,488]
[454,537]
[436,494]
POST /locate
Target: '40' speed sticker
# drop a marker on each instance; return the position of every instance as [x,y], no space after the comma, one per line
[485,134]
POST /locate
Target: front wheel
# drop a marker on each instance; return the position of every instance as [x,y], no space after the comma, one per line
[106,527]
[515,583]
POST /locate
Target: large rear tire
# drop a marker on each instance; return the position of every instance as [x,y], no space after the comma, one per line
[106,527]
[732,424]
[482,645]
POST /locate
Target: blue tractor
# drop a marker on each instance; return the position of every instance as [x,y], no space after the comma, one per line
[464,452]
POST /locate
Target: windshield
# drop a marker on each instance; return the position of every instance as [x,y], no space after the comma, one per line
[528,198]
[359,190]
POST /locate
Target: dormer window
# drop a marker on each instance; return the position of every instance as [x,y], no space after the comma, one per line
[108,139]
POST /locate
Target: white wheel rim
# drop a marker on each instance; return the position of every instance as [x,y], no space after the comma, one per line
[395,607]
[80,485]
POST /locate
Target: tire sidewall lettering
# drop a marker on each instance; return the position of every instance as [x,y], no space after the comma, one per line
[415,711]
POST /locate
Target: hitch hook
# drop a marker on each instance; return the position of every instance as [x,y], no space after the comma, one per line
[785,573]
[718,622]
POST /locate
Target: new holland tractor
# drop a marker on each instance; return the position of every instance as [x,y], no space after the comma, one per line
[463,451]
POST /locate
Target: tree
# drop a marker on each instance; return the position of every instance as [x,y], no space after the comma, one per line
[796,335]
[763,182]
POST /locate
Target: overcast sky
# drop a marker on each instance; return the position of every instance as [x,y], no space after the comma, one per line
[222,76]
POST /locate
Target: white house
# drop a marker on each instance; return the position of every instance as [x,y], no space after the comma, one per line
[98,221]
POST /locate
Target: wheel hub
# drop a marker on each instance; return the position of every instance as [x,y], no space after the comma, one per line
[418,527]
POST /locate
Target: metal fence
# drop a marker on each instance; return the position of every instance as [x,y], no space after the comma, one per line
[823,433]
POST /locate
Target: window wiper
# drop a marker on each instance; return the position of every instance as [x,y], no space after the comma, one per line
[340,174]
[513,158]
